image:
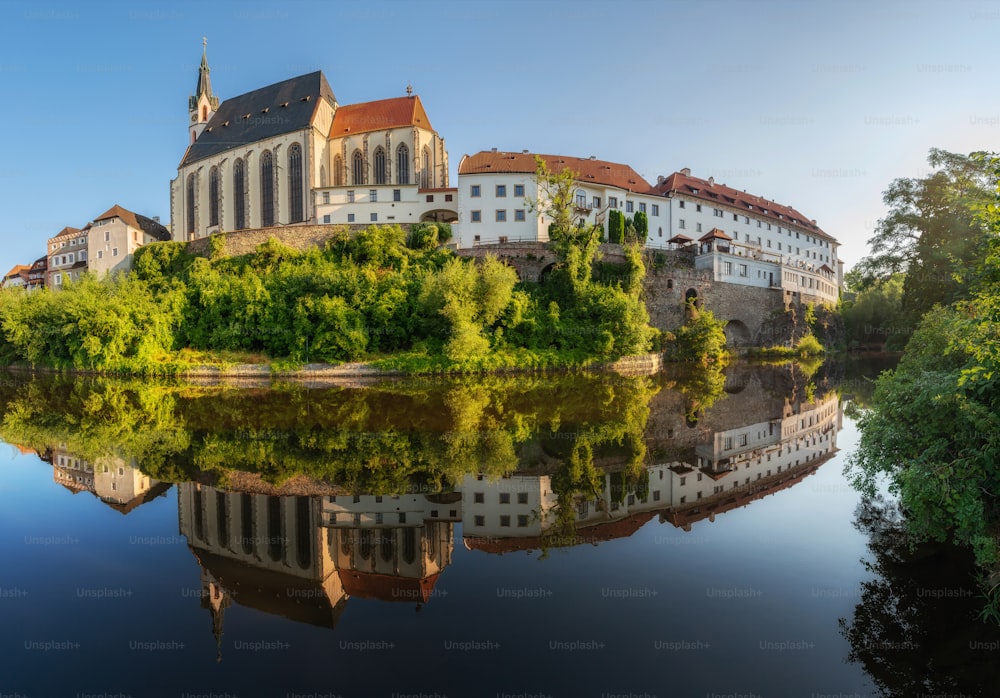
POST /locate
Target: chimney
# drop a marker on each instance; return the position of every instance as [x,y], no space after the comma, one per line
[494,150]
[660,179]
[711,181]
[686,171]
[525,151]
[593,157]
[156,218]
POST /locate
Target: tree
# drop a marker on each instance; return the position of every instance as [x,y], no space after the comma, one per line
[616,227]
[933,231]
[640,222]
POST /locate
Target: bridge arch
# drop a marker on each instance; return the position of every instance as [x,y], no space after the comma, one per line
[737,334]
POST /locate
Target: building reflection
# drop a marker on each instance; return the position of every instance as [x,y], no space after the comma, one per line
[303,556]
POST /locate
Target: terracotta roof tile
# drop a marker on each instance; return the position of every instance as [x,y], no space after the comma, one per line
[711,191]
[714,234]
[136,221]
[588,170]
[379,115]
[66,232]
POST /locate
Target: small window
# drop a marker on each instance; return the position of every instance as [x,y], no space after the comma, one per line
[447,197]
[505,497]
[501,190]
[326,197]
[743,270]
[478,497]
[374,217]
[656,209]
[519,214]
[397,195]
[429,199]
[680,204]
[107,236]
[505,521]
[501,215]
[522,520]
[477,216]
[373,194]
[681,224]
[613,201]
[522,497]
[326,218]
[697,207]
[642,207]
[475,190]
[518,190]
[480,521]
[350,217]
[350,196]
[629,207]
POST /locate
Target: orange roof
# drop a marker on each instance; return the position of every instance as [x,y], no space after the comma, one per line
[587,169]
[379,115]
[387,587]
[135,220]
[712,234]
[711,191]
[17,270]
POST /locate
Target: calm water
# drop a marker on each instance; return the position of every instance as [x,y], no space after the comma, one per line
[683,535]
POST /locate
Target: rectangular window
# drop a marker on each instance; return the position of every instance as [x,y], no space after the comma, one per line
[505,521]
[350,196]
[505,497]
[629,207]
[642,207]
[114,252]
[374,217]
[656,209]
[728,443]
[429,198]
[373,194]
[478,497]
[475,238]
[697,207]
[326,218]
[447,197]
[475,190]
[727,268]
[58,279]
[736,216]
[736,235]
[397,195]
[522,497]
[100,254]
[522,520]
[743,440]
[717,212]
[519,214]
[326,197]
[107,236]
[597,202]
[501,190]
[681,224]
[769,242]
[480,521]
[743,270]
[477,216]
[681,203]
[697,227]
[613,201]
[350,217]
[501,215]
[518,190]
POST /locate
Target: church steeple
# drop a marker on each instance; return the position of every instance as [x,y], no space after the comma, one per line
[202,104]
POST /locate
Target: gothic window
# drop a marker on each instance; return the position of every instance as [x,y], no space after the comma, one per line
[239,195]
[213,196]
[338,171]
[295,182]
[402,164]
[266,189]
[425,168]
[222,518]
[190,204]
[246,523]
[274,532]
[378,166]
[358,168]
[204,112]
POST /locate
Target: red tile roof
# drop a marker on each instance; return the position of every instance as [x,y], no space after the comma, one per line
[135,220]
[18,270]
[387,587]
[713,192]
[713,234]
[587,170]
[379,115]
[680,237]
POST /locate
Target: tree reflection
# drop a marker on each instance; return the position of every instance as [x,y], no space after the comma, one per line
[915,630]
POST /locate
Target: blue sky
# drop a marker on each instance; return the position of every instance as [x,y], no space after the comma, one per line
[818,105]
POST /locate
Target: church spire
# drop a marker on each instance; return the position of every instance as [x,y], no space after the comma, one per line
[202,104]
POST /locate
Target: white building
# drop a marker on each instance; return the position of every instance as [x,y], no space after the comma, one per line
[67,256]
[496,191]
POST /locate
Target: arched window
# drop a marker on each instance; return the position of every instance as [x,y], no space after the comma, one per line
[425,168]
[266,189]
[295,182]
[275,539]
[378,166]
[358,168]
[402,164]
[338,171]
[246,523]
[190,204]
[213,196]
[581,198]
[239,195]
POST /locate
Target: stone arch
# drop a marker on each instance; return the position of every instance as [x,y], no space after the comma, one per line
[691,295]
[737,334]
[544,273]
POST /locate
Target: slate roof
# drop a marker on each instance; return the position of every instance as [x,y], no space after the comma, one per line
[269,111]
[136,221]
[379,115]
[715,193]
[588,170]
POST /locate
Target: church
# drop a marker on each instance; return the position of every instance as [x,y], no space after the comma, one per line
[289,154]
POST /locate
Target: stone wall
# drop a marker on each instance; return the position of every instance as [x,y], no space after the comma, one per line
[298,237]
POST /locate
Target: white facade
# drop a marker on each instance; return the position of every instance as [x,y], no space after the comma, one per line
[384,204]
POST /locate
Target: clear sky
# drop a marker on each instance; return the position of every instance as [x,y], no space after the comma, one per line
[818,105]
